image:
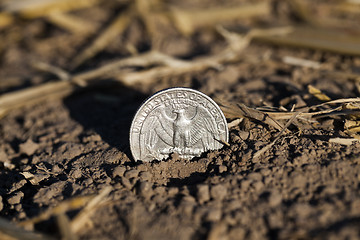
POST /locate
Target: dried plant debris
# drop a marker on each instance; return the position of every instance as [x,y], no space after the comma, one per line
[317,93]
[172,67]
[37,8]
[10,231]
[316,38]
[188,21]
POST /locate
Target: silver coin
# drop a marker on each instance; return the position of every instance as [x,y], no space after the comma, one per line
[177,120]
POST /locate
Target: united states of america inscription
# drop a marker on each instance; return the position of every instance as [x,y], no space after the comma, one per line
[177,120]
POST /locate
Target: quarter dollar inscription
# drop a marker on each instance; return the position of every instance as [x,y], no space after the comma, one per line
[177,120]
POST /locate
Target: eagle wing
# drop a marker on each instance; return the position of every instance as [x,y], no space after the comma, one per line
[203,127]
[157,125]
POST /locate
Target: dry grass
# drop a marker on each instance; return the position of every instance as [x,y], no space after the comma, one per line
[68,228]
[10,231]
[162,66]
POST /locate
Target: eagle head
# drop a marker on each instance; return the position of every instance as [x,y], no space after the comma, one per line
[179,111]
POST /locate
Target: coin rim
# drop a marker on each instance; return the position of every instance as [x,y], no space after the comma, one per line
[167,90]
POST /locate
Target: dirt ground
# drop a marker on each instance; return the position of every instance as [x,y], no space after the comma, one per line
[302,187]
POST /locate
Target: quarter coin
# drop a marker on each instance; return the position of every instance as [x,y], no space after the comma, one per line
[177,120]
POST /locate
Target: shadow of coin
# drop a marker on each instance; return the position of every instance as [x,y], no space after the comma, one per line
[108,111]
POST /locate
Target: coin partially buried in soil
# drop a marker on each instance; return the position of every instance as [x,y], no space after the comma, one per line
[177,120]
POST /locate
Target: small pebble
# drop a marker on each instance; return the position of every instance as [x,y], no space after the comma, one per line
[275,219]
[18,207]
[22,215]
[126,183]
[118,171]
[222,168]
[56,169]
[275,198]
[145,189]
[160,190]
[188,198]
[76,173]
[187,208]
[237,233]
[28,147]
[16,198]
[92,138]
[330,190]
[245,184]
[173,191]
[302,210]
[265,171]
[213,215]
[145,176]
[255,176]
[258,185]
[299,180]
[203,193]
[218,232]
[244,135]
[131,173]
[159,199]
[218,192]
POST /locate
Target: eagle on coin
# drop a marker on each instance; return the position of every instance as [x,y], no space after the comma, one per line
[187,136]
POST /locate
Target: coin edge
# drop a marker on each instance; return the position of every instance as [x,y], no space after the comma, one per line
[164,91]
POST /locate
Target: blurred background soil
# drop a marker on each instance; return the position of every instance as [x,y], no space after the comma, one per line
[73,73]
